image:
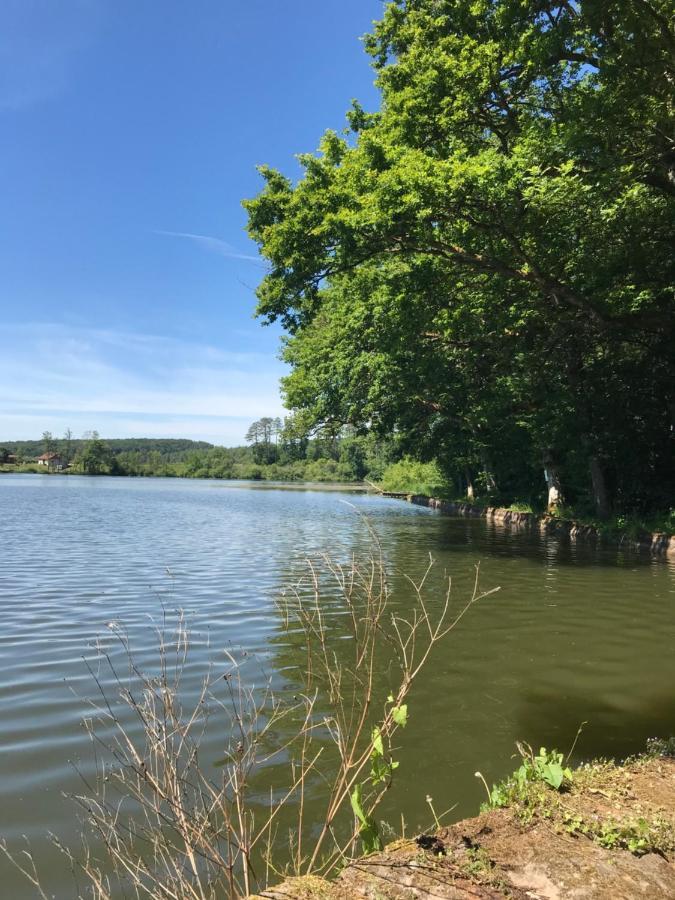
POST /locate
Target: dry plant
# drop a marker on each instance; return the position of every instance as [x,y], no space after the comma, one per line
[168,824]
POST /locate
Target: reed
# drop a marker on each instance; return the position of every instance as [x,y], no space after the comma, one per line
[166,824]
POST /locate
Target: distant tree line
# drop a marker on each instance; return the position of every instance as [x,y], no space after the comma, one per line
[136,451]
[286,450]
[276,450]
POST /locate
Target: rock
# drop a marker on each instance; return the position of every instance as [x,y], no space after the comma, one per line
[558,853]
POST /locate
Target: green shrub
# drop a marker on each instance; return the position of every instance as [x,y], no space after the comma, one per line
[413,477]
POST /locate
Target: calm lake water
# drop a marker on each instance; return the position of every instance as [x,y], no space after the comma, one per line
[574,634]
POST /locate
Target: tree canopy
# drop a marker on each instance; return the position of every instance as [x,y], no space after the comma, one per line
[484,265]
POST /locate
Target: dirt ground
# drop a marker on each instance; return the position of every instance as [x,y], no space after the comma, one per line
[610,835]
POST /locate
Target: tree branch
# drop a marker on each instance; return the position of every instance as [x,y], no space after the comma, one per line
[530,275]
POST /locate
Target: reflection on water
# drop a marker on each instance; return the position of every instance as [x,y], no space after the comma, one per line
[575,633]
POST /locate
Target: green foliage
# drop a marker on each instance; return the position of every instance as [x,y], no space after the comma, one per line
[171,450]
[382,768]
[263,435]
[369,832]
[543,788]
[285,453]
[413,477]
[400,715]
[545,768]
[633,836]
[95,457]
[638,835]
[478,863]
[484,266]
[26,468]
[519,506]
[48,442]
[661,747]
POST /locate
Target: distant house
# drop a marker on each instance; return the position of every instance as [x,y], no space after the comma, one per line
[51,461]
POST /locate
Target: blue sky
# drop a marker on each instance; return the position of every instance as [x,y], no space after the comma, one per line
[129,133]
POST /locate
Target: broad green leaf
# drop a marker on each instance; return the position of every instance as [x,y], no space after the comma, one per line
[355,800]
[400,715]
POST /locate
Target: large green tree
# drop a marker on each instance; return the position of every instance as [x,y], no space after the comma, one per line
[485,264]
[95,457]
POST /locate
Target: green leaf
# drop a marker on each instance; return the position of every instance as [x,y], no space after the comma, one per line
[400,715]
[380,769]
[370,838]
[368,832]
[378,746]
[355,800]
[553,775]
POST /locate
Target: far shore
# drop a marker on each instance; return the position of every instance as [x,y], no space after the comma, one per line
[260,483]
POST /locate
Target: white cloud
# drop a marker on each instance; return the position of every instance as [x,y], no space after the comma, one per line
[213,244]
[127,384]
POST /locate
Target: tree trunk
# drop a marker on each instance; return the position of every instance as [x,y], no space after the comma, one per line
[553,483]
[469,485]
[490,483]
[600,495]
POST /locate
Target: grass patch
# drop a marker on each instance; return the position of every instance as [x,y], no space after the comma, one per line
[584,801]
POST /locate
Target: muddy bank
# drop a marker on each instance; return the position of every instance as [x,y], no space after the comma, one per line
[657,543]
[608,834]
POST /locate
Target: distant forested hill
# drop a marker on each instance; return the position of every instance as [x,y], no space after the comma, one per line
[170,449]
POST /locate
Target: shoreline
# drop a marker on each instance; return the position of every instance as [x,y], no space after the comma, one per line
[353,486]
[659,544]
[603,831]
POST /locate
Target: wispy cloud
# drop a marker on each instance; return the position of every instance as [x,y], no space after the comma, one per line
[214,245]
[128,384]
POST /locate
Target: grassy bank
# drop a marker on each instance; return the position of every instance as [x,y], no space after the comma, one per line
[603,830]
[544,788]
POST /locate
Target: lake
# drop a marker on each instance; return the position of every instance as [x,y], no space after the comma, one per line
[575,634]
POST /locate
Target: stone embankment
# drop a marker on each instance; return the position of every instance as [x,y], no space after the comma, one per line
[655,543]
[609,834]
